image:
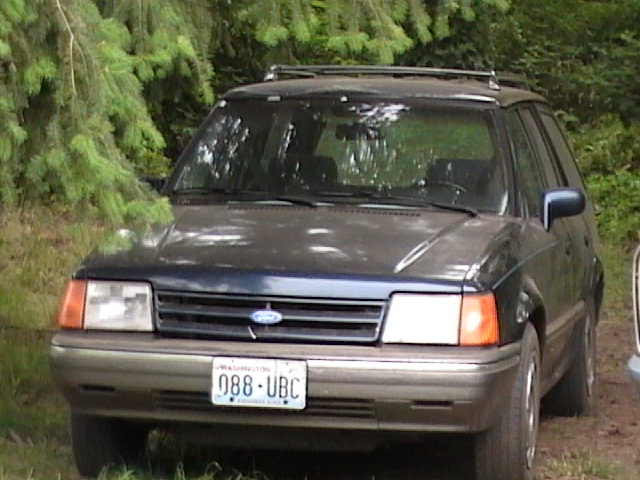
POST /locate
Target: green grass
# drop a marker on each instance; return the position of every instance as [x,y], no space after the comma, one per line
[33,419]
[617,298]
[44,459]
[585,464]
[38,250]
[29,408]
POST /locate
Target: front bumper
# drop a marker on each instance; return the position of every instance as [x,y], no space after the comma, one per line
[392,388]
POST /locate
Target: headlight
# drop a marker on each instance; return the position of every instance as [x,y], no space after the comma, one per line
[423,319]
[118,306]
[469,320]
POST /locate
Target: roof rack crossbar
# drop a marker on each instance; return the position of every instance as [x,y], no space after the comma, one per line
[278,71]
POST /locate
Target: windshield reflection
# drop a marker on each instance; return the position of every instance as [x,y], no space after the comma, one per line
[384,152]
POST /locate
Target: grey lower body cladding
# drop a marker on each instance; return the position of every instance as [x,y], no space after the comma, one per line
[390,389]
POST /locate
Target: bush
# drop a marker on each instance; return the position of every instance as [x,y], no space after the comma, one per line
[608,152]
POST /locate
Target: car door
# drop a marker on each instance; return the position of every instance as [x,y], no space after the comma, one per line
[573,233]
[583,226]
[549,264]
[547,144]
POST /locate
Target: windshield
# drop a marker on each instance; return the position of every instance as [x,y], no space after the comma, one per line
[382,151]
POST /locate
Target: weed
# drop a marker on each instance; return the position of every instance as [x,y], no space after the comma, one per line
[608,154]
[617,297]
[584,464]
[38,250]
[30,409]
[45,459]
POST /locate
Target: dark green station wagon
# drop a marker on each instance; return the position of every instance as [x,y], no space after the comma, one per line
[358,255]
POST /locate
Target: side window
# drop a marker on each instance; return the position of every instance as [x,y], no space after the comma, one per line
[529,176]
[562,150]
[553,172]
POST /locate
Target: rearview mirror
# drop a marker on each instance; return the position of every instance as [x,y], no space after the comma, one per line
[560,203]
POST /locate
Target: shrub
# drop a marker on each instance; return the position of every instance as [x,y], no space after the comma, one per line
[608,152]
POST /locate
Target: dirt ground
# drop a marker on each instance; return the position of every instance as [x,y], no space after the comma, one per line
[612,434]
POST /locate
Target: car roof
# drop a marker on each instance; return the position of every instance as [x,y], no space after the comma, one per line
[387,82]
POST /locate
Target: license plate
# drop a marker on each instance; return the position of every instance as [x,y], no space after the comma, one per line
[259,382]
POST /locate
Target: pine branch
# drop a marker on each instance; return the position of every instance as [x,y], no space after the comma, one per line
[72,40]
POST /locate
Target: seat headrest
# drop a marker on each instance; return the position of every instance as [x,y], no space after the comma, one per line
[304,169]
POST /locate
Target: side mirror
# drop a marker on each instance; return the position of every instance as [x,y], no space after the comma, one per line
[560,203]
[157,183]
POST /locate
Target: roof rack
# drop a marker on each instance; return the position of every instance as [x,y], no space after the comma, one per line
[277,71]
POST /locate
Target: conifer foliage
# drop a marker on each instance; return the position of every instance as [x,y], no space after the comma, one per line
[373,30]
[78,79]
[74,125]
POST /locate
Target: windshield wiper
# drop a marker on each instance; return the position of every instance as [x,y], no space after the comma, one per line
[386,196]
[366,194]
[420,201]
[294,200]
[191,191]
[216,190]
[260,195]
[455,208]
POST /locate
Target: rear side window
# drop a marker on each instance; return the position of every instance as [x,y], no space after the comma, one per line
[554,172]
[561,148]
[528,173]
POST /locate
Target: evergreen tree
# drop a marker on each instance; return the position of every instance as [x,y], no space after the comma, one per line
[369,30]
[74,125]
[90,90]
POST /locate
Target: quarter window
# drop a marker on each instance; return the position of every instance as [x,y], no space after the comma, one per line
[527,170]
[554,174]
[562,149]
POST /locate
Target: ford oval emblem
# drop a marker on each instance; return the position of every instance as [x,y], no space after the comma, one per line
[266,317]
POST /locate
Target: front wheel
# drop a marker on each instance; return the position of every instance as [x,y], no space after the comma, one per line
[99,442]
[506,451]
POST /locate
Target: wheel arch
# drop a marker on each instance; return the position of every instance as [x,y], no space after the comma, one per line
[538,319]
[598,290]
[531,309]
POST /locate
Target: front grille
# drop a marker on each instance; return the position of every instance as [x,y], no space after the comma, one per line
[303,319]
[317,407]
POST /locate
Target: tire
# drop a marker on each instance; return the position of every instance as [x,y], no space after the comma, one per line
[506,451]
[574,394]
[98,442]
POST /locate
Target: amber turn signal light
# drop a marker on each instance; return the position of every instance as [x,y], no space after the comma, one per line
[479,320]
[71,308]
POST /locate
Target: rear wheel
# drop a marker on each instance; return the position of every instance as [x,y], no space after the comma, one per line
[98,442]
[574,393]
[506,451]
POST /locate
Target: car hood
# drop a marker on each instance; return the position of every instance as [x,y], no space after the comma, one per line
[356,241]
